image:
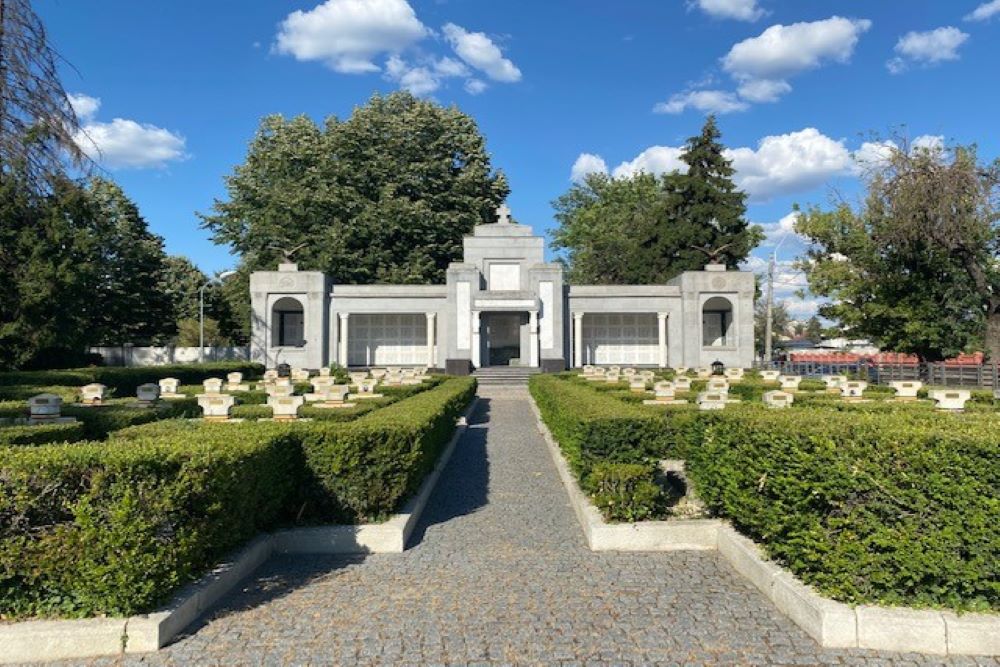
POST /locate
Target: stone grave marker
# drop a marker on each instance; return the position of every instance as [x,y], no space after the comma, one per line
[335,396]
[790,383]
[270,375]
[834,383]
[378,373]
[212,386]
[46,409]
[778,399]
[770,376]
[682,383]
[325,372]
[216,407]
[712,400]
[681,370]
[853,390]
[703,372]
[718,385]
[93,394]
[587,370]
[300,375]
[357,376]
[285,408]
[629,372]
[734,374]
[366,389]
[148,394]
[906,390]
[279,390]
[637,384]
[168,388]
[951,400]
[598,375]
[234,382]
[665,395]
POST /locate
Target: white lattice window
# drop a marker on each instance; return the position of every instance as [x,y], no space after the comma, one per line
[621,338]
[387,340]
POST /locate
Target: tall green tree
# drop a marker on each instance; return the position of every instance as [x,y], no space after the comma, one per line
[383,196]
[814,329]
[129,303]
[644,229]
[914,267]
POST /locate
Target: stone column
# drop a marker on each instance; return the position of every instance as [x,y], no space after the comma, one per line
[533,337]
[476,351]
[430,339]
[662,330]
[577,340]
[342,356]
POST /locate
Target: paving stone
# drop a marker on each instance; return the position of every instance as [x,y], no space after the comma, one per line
[499,573]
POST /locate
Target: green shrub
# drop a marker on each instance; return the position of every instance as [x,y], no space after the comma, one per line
[125,380]
[113,528]
[892,507]
[625,491]
[40,434]
[362,470]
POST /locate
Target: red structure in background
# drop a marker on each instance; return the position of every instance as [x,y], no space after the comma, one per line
[882,358]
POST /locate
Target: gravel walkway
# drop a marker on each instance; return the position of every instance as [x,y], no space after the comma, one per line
[498,573]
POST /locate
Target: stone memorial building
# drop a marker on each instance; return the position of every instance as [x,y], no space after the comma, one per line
[502,305]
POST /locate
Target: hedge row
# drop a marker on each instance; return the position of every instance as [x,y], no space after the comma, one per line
[361,471]
[115,527]
[40,434]
[867,507]
[872,503]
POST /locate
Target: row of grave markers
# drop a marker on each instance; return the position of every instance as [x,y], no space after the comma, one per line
[716,394]
[217,406]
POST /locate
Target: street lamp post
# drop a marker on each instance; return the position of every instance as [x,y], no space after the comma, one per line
[201,312]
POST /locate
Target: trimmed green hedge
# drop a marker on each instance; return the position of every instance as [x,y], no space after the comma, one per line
[115,527]
[867,507]
[40,434]
[361,471]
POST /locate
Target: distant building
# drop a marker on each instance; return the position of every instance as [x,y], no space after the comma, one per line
[502,305]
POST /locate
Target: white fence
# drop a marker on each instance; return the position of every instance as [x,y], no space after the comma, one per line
[127,355]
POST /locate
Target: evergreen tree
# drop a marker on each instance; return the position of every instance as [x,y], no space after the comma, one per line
[647,230]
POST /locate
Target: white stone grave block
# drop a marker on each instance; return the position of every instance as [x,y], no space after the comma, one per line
[168,388]
[628,372]
[285,408]
[270,375]
[300,375]
[612,378]
[778,399]
[366,389]
[334,396]
[834,382]
[234,382]
[906,390]
[733,374]
[953,400]
[790,383]
[718,385]
[394,370]
[93,394]
[279,390]
[46,409]
[712,400]
[681,370]
[357,376]
[637,384]
[770,376]
[703,372]
[378,373]
[682,383]
[216,407]
[212,386]
[665,395]
[588,369]
[617,370]
[597,376]
[853,390]
[325,372]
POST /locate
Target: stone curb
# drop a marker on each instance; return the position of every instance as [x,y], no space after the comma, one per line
[30,641]
[832,624]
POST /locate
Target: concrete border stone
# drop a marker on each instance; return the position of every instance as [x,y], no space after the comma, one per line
[30,641]
[902,629]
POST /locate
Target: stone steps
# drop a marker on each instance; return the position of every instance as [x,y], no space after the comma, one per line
[516,376]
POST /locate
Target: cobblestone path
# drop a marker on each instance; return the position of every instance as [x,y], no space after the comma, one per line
[498,573]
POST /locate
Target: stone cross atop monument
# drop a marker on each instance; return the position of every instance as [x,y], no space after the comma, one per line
[503,214]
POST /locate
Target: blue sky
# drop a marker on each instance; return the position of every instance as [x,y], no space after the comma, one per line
[173,92]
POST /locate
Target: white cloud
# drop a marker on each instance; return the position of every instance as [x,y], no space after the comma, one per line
[782,51]
[425,78]
[741,10]
[707,101]
[654,160]
[763,90]
[984,12]
[586,164]
[785,226]
[787,163]
[762,64]
[84,106]
[475,86]
[126,144]
[928,142]
[876,154]
[479,51]
[927,48]
[346,35]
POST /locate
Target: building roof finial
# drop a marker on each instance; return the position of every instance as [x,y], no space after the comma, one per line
[503,214]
